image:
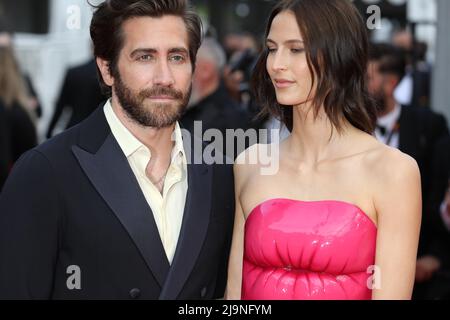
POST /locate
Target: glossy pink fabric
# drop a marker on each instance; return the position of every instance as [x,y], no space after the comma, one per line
[308,250]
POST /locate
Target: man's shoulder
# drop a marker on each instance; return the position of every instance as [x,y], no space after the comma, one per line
[59,143]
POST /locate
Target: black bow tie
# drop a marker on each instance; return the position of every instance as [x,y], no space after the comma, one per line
[381,129]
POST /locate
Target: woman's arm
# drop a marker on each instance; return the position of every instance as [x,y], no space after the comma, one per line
[398,202]
[234,282]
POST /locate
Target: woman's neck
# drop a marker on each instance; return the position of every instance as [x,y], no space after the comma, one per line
[315,139]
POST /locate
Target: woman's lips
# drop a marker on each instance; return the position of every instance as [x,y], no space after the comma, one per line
[283,83]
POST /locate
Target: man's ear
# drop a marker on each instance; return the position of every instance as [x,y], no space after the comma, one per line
[392,81]
[103,65]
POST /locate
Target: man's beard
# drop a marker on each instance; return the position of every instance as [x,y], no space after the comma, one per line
[380,102]
[151,114]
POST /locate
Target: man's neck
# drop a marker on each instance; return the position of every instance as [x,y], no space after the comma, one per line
[390,107]
[158,140]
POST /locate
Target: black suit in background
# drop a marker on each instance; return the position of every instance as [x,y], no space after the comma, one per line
[438,287]
[74,201]
[80,92]
[440,182]
[217,111]
[23,135]
[420,129]
[5,147]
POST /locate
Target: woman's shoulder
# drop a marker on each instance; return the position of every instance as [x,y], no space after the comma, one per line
[387,165]
[251,160]
[388,159]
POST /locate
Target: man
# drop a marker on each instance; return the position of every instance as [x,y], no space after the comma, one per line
[210,103]
[433,270]
[413,130]
[81,78]
[113,208]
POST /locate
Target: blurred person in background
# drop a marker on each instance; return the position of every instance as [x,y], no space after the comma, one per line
[210,102]
[5,149]
[415,86]
[413,130]
[433,268]
[19,104]
[33,101]
[242,51]
[80,93]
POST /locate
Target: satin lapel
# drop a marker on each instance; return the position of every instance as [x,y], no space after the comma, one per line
[111,175]
[193,231]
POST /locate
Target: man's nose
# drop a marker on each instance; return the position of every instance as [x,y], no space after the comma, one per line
[163,74]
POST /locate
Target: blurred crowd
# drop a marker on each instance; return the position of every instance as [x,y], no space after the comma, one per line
[399,80]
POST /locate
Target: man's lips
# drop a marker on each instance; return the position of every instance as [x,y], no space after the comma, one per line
[165,98]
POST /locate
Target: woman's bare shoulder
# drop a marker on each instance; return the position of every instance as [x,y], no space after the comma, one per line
[387,165]
[251,161]
[388,160]
[252,157]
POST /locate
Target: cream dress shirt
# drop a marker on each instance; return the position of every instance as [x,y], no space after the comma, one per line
[167,208]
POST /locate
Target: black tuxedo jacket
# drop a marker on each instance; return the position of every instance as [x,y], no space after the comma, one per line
[420,130]
[74,202]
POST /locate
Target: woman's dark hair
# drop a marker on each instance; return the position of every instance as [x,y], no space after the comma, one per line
[107,21]
[336,44]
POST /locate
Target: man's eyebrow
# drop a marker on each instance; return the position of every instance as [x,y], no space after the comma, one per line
[142,51]
[179,50]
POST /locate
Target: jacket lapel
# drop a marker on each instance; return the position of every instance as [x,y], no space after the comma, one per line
[409,133]
[194,228]
[108,170]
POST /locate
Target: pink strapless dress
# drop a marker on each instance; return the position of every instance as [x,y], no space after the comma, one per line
[300,250]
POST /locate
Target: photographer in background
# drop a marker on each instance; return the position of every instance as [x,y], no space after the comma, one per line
[242,52]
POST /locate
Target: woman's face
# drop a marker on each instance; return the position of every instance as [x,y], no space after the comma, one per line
[286,62]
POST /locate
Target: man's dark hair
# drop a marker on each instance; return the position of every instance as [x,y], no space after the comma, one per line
[336,45]
[392,60]
[106,27]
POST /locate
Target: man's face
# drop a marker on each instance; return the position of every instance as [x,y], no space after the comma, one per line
[154,71]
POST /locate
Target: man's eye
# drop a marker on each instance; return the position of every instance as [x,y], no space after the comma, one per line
[177,58]
[145,57]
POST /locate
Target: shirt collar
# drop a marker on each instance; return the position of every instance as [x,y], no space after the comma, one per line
[130,144]
[388,121]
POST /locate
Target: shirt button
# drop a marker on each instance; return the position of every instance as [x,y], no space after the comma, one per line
[135,293]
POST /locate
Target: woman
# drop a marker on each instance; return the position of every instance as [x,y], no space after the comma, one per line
[340,218]
[16,99]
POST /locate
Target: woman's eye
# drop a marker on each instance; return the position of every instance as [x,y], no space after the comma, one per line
[297,50]
[271,50]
